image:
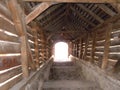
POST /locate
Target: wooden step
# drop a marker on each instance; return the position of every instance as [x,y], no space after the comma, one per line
[70,85]
[69,63]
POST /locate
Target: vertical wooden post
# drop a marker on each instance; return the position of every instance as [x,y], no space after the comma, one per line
[81,48]
[35,30]
[106,46]
[93,47]
[18,19]
[86,46]
[69,48]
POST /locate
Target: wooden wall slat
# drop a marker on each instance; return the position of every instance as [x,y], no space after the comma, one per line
[6,26]
[10,73]
[9,61]
[9,48]
[6,37]
[12,82]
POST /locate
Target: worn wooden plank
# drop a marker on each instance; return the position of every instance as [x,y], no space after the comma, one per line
[7,74]
[100,43]
[114,42]
[8,61]
[8,48]
[114,56]
[106,46]
[99,49]
[100,38]
[9,84]
[6,26]
[5,37]
[29,30]
[31,38]
[4,11]
[115,49]
[32,45]
[115,35]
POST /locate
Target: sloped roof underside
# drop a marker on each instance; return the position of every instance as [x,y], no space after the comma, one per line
[70,20]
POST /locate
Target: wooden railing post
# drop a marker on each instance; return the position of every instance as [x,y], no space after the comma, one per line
[106,46]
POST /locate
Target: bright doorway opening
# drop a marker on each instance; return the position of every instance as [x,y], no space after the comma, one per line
[61,52]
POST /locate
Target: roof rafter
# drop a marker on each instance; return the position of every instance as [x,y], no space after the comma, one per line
[91,13]
[38,10]
[106,9]
[82,17]
[54,21]
[51,18]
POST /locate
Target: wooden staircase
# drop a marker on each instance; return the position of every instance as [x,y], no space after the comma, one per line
[65,76]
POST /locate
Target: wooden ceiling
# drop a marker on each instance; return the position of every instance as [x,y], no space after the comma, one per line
[69,21]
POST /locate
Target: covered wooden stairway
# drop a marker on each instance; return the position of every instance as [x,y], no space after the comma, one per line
[29,30]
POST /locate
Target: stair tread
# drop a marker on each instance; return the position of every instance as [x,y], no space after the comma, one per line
[68,84]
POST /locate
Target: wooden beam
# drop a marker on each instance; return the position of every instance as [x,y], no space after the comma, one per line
[35,31]
[110,20]
[5,12]
[53,16]
[106,9]
[86,46]
[81,48]
[106,46]
[91,13]
[93,47]
[20,25]
[49,12]
[77,1]
[37,11]
[82,17]
[55,20]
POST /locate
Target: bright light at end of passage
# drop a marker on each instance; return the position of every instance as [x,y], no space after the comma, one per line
[61,52]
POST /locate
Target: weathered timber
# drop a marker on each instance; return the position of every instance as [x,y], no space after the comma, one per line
[38,10]
[5,37]
[20,26]
[9,48]
[93,47]
[12,82]
[10,73]
[5,12]
[114,56]
[7,26]
[35,30]
[9,60]
[114,49]
[106,46]
[114,42]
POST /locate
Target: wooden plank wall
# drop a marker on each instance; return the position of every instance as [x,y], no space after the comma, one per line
[102,47]
[10,49]
[10,54]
